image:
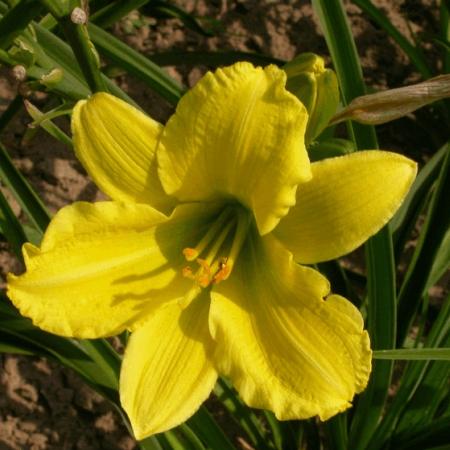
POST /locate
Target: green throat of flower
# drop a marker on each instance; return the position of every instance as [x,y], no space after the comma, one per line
[216,253]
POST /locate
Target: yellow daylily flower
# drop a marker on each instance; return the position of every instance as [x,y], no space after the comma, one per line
[197,253]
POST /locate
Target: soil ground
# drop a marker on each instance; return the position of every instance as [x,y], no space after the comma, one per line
[44,406]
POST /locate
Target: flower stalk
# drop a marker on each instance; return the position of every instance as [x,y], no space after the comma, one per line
[78,38]
[379,250]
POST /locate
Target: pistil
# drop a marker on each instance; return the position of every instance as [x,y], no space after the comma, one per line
[226,264]
[214,267]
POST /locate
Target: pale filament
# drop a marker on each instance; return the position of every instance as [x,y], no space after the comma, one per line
[213,268]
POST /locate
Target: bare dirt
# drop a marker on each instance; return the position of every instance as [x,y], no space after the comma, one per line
[44,406]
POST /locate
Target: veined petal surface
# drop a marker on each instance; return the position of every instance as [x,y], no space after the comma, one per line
[237,133]
[283,346]
[167,372]
[348,199]
[116,143]
[104,267]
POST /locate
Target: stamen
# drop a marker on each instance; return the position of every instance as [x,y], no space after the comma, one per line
[192,293]
[223,271]
[193,253]
[190,253]
[207,272]
[187,272]
[219,241]
[214,269]
[239,239]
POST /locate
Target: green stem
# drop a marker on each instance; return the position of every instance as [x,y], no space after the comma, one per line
[78,38]
[84,51]
[445,34]
[16,20]
[203,424]
[336,429]
[150,443]
[382,329]
[379,249]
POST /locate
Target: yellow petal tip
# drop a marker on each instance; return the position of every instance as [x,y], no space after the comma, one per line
[348,200]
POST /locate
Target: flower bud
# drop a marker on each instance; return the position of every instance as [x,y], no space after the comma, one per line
[78,16]
[316,87]
[52,78]
[22,53]
[382,107]
[19,72]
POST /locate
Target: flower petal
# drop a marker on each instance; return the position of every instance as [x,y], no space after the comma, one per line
[283,346]
[104,267]
[348,200]
[116,144]
[166,372]
[237,133]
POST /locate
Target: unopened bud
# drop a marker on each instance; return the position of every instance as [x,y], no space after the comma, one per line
[78,16]
[392,104]
[316,87]
[22,53]
[19,72]
[52,78]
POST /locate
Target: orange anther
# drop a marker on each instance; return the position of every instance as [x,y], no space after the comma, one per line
[190,253]
[222,274]
[187,272]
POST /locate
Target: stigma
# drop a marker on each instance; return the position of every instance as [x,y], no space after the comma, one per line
[216,253]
